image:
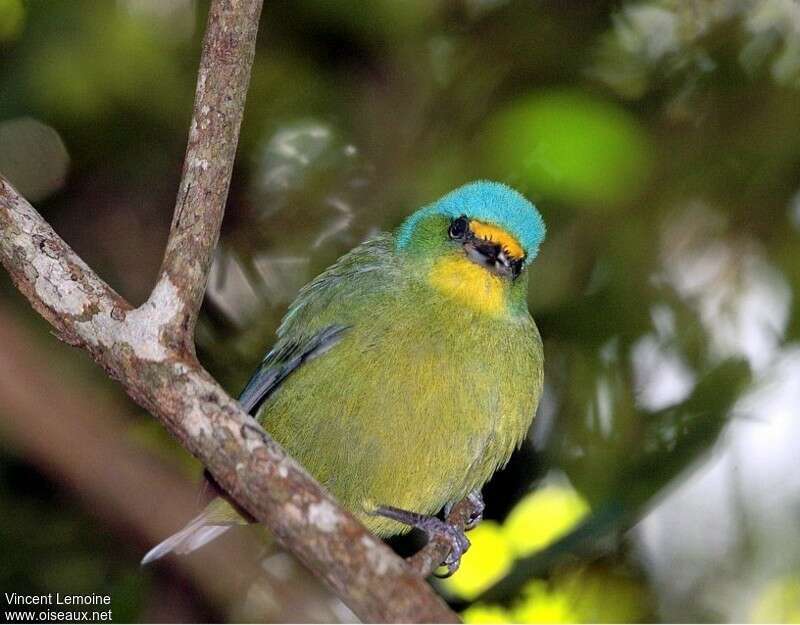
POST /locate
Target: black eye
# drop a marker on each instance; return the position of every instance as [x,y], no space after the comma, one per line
[458,228]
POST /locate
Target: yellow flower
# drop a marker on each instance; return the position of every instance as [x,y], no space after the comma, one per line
[542,517]
[487,561]
[483,613]
[542,603]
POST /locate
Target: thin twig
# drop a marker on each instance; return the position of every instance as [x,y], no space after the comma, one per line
[222,81]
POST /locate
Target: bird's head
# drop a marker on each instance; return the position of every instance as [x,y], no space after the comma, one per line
[479,240]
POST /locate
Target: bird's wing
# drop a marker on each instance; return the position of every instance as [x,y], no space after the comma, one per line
[342,292]
[322,313]
[287,356]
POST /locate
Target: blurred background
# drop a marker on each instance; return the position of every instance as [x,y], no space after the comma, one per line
[660,139]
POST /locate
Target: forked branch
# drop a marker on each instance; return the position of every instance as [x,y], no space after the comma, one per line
[150,349]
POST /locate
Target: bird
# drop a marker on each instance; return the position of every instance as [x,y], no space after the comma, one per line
[406,373]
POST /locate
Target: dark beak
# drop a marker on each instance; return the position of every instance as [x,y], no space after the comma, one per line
[493,257]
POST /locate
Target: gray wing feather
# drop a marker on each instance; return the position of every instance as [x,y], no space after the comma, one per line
[307,331]
[281,361]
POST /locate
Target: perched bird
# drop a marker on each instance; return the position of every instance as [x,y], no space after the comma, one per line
[407,372]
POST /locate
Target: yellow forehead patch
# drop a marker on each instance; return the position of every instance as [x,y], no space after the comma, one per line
[497,235]
[470,284]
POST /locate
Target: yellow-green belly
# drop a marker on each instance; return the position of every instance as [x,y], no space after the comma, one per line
[408,412]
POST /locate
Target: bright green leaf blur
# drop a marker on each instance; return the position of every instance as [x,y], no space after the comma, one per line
[779,601]
[570,146]
[12,19]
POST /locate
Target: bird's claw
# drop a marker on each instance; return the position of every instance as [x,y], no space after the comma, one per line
[459,544]
[433,527]
[475,499]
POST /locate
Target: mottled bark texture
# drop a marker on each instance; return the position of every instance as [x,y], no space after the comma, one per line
[150,349]
[222,82]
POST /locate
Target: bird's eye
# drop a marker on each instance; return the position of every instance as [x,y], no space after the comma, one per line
[458,228]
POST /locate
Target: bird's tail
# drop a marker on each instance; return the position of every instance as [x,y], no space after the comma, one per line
[216,519]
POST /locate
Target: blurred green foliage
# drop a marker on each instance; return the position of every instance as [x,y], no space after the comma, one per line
[659,138]
[49,545]
[569,146]
[779,602]
[595,595]
[12,19]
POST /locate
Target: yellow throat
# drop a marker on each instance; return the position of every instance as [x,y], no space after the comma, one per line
[470,284]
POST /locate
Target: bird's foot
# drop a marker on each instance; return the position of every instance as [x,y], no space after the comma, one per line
[433,527]
[475,501]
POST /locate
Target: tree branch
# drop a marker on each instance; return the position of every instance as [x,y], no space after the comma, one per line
[222,82]
[120,481]
[150,349]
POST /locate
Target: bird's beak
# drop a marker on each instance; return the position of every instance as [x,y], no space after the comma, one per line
[492,256]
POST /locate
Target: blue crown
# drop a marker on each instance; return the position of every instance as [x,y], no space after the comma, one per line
[490,202]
